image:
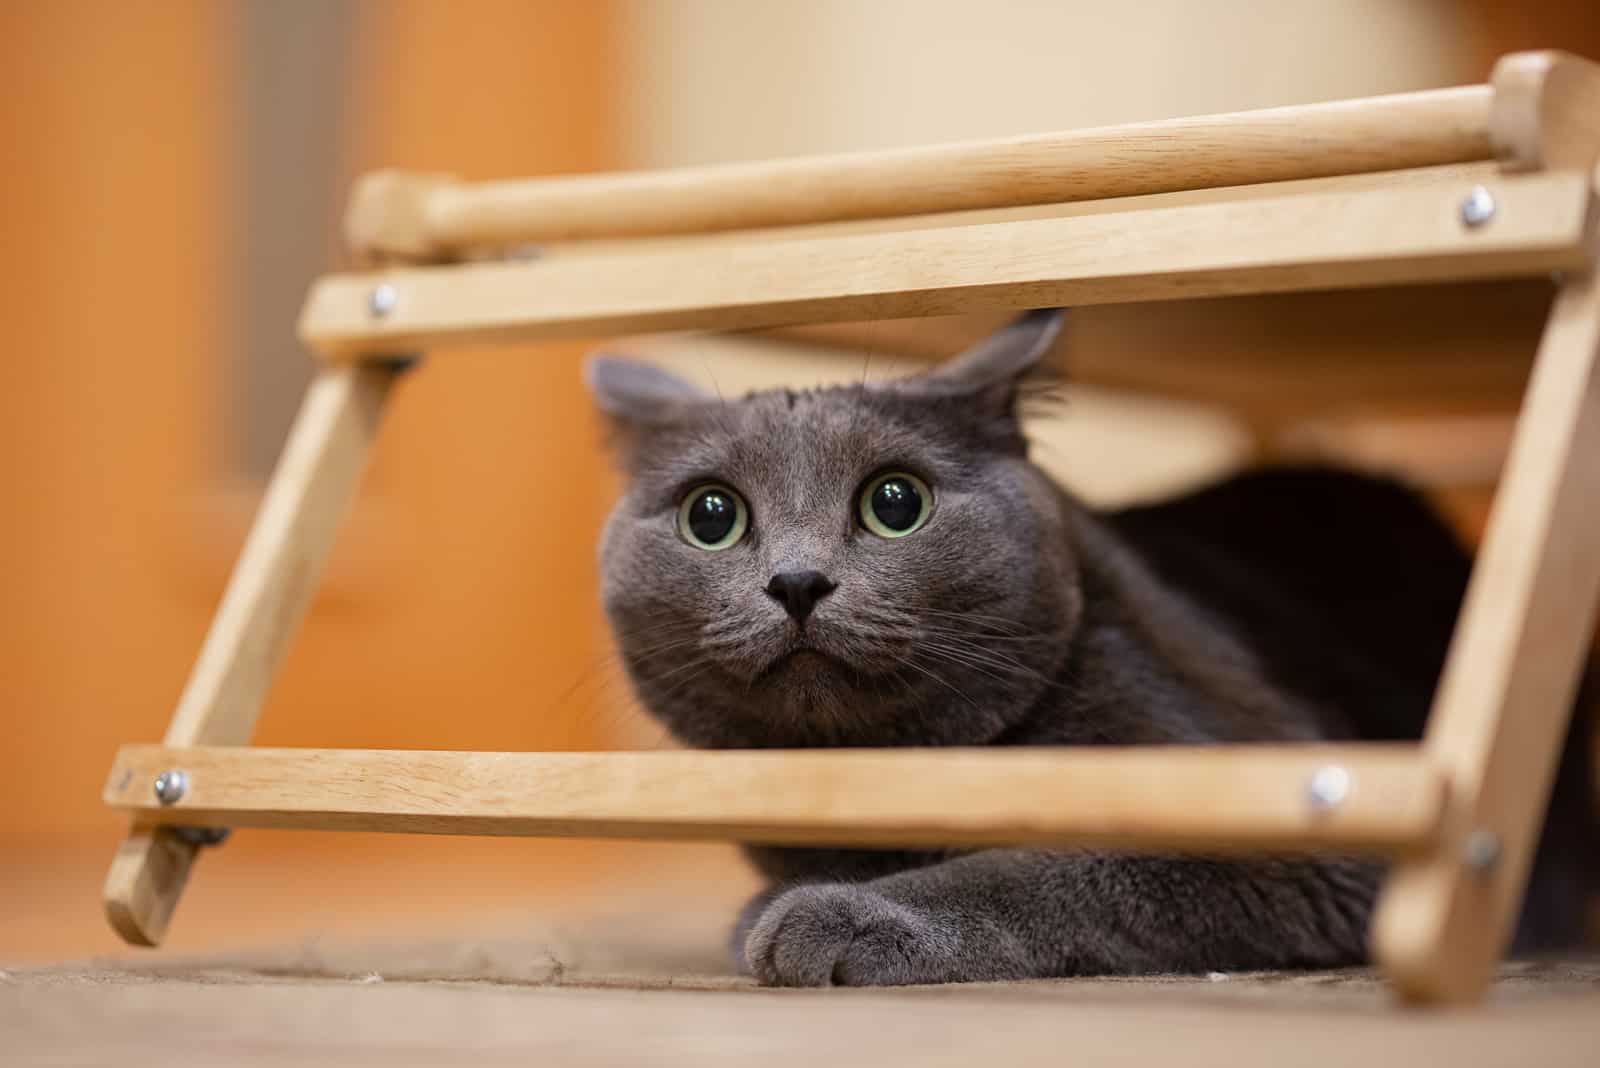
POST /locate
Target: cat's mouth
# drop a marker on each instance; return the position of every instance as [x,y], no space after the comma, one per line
[805,660]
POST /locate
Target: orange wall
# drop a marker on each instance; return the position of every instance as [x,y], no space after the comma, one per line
[461,602]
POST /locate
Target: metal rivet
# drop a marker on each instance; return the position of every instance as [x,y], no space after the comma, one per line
[1329,787]
[171,786]
[383,300]
[1481,851]
[1478,208]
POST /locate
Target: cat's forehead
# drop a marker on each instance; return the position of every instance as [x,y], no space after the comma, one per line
[812,434]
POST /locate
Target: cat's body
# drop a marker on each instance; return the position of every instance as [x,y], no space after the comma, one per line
[1279,606]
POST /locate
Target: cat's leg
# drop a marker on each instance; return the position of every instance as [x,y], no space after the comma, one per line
[1012,914]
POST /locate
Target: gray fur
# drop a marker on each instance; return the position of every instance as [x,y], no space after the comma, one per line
[1015,616]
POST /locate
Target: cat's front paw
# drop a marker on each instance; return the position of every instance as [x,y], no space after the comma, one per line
[845,935]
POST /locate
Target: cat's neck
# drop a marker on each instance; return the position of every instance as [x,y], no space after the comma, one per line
[1148,666]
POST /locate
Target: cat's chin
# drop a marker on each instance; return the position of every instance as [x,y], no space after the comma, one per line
[814,688]
[806,664]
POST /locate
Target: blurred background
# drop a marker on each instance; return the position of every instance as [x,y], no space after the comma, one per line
[174,177]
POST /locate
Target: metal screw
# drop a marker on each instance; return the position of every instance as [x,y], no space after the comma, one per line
[1478,208]
[1481,851]
[171,786]
[383,300]
[1329,787]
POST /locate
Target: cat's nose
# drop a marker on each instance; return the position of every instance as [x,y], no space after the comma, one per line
[799,591]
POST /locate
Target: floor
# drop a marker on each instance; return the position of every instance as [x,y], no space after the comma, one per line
[527,997]
[407,951]
[279,886]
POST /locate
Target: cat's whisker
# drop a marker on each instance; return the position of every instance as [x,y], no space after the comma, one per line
[611,708]
[588,674]
[976,649]
[989,628]
[936,678]
[698,662]
[1014,670]
[861,394]
[662,649]
[611,657]
[627,714]
[984,639]
[998,622]
[695,669]
[986,670]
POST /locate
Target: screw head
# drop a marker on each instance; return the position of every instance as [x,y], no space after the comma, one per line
[382,300]
[1481,851]
[1329,787]
[171,786]
[1478,208]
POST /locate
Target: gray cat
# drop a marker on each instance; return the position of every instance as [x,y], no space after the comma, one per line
[882,565]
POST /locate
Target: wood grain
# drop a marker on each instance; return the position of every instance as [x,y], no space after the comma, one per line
[423,217]
[1408,233]
[1212,798]
[268,594]
[1506,694]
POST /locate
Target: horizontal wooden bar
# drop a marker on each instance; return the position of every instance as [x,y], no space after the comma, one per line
[1411,231]
[428,217]
[1172,798]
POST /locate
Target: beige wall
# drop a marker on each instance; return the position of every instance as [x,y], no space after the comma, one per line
[723,80]
[741,79]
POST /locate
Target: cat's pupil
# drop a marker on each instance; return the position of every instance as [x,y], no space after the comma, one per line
[712,515]
[896,503]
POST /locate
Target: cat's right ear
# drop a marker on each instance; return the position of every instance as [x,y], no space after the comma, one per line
[638,394]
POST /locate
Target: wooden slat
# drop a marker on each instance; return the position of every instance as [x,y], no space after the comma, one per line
[1406,233]
[1503,703]
[267,595]
[425,217]
[1473,173]
[1215,798]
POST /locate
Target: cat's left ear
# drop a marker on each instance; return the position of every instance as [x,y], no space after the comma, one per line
[1001,361]
[987,379]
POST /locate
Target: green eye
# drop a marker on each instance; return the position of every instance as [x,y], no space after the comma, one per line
[895,504]
[712,517]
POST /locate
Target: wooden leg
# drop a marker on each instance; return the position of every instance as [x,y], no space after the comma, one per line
[268,594]
[1501,713]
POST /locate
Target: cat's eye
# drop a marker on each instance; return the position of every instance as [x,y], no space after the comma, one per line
[895,504]
[712,517]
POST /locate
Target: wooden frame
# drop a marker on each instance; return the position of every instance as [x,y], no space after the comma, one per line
[1484,181]
[1108,797]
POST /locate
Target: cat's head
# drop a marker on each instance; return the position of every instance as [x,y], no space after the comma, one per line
[860,565]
